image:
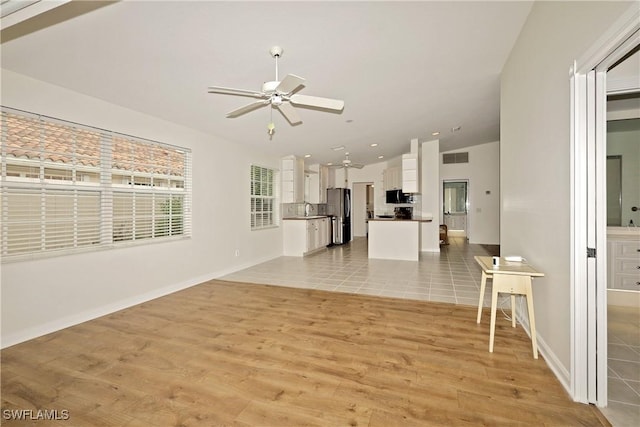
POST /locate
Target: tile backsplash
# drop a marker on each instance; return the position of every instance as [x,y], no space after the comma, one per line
[298,209]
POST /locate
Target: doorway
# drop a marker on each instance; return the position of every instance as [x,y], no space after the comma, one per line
[589,210]
[455,206]
[362,209]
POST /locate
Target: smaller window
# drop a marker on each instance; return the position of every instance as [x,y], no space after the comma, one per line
[262,197]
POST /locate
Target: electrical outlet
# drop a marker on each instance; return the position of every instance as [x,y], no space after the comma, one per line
[237,252]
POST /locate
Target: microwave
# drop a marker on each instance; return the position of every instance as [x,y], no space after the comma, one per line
[397,196]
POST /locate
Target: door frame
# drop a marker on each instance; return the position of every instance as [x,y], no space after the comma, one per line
[467,202]
[588,212]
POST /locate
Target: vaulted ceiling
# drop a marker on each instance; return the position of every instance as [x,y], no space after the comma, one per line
[404,69]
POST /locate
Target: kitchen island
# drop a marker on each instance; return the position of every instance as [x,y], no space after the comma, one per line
[397,239]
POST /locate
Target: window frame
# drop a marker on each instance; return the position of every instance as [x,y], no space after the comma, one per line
[80,162]
[258,200]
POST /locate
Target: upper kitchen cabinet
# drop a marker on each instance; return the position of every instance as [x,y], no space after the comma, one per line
[316,184]
[292,179]
[410,175]
[392,179]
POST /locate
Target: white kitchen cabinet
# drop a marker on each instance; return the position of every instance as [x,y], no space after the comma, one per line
[410,175]
[324,231]
[317,234]
[623,263]
[324,183]
[392,179]
[318,180]
[304,236]
[312,235]
[292,178]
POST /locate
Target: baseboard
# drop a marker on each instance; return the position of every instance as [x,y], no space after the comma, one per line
[75,319]
[559,370]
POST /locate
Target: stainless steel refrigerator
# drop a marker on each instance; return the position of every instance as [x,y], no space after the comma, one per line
[339,207]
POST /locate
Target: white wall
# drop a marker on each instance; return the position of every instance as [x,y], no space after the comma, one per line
[370,174]
[483,174]
[359,209]
[430,189]
[535,157]
[45,295]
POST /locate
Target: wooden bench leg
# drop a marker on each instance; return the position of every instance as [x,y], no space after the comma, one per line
[513,311]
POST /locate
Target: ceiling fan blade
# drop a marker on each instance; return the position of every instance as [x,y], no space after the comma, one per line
[315,101]
[249,107]
[232,91]
[290,83]
[356,165]
[289,113]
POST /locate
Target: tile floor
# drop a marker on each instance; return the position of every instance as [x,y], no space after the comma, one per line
[449,276]
[624,366]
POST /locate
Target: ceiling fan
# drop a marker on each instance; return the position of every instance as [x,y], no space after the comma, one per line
[279,94]
[347,163]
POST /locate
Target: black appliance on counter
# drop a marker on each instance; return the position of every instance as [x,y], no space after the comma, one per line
[397,196]
[403,212]
[339,208]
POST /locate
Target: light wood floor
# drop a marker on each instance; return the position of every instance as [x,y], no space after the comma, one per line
[224,353]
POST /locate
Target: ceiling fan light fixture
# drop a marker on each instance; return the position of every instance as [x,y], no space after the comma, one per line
[276,100]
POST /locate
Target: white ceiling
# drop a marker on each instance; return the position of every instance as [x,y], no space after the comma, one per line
[404,69]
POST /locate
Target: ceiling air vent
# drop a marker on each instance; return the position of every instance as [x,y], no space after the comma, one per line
[455,157]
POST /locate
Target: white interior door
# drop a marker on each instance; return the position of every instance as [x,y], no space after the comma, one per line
[589,250]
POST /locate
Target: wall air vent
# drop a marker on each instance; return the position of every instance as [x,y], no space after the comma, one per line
[455,157]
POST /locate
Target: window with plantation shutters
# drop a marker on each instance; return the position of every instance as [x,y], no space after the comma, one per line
[263,213]
[68,187]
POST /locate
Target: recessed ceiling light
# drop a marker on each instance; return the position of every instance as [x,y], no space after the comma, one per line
[381,157]
[373,145]
[338,148]
[306,156]
[456,129]
[329,164]
[435,133]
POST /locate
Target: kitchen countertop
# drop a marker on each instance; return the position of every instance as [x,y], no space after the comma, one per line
[418,219]
[304,218]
